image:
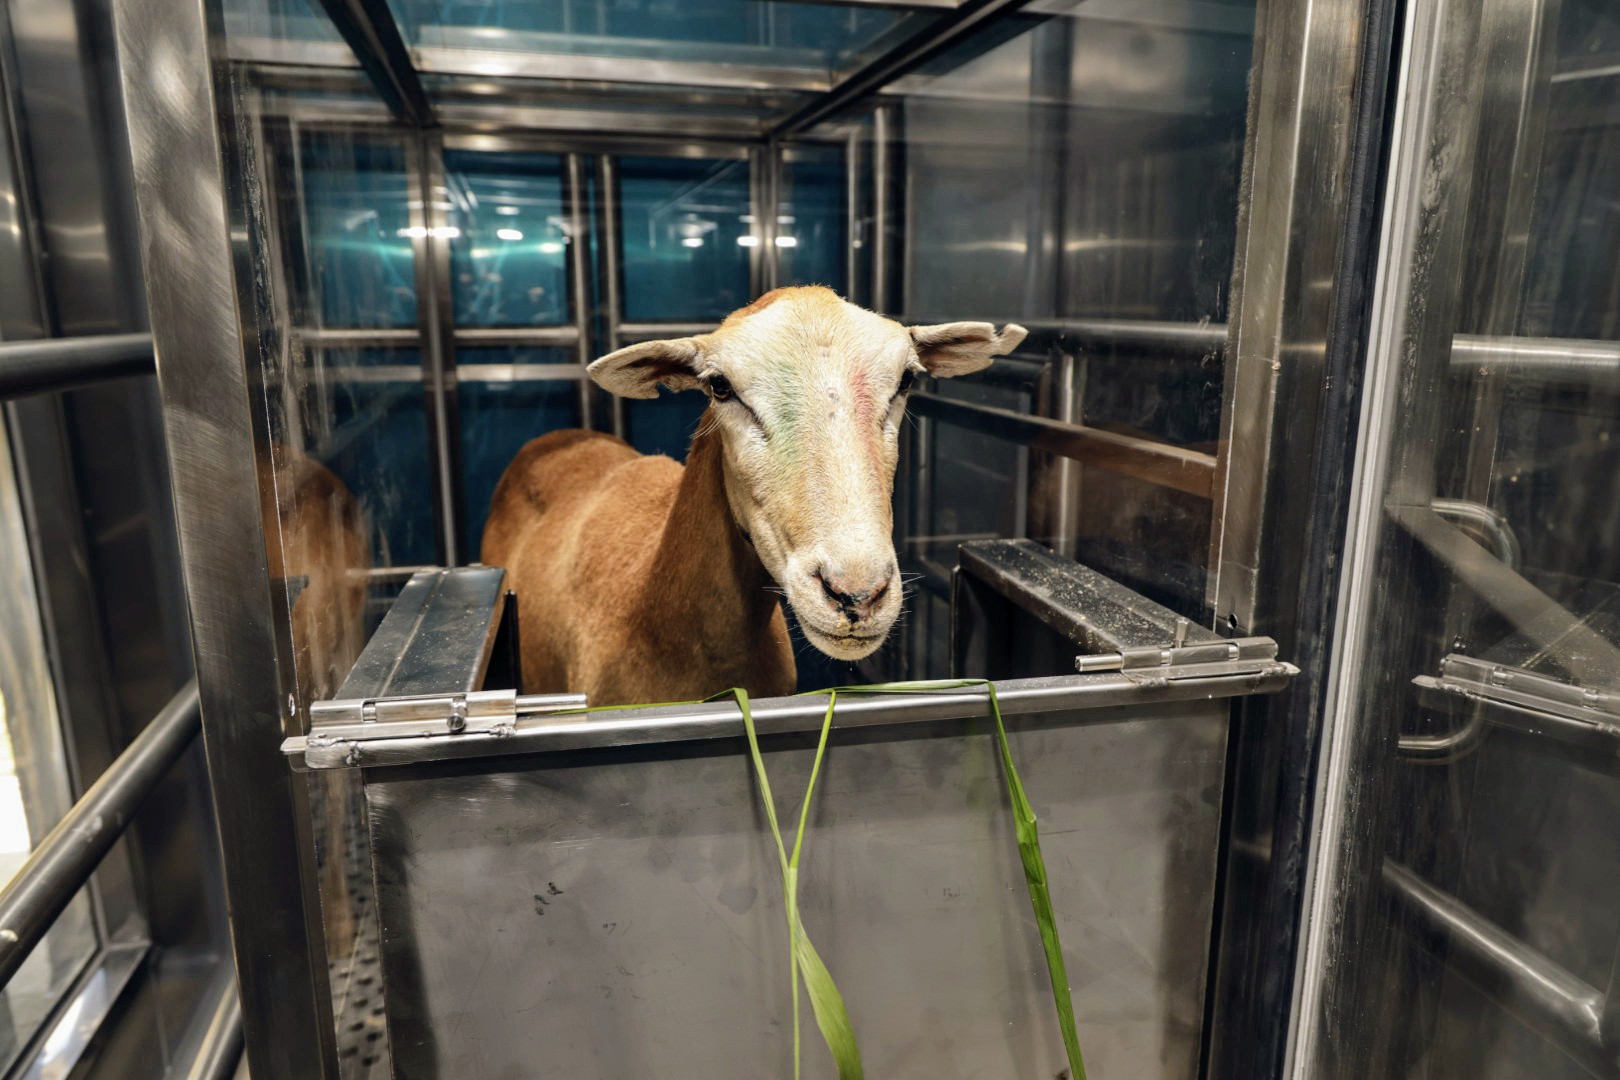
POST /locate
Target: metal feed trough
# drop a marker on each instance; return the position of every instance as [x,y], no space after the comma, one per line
[598,896]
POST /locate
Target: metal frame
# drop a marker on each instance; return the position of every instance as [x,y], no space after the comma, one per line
[1411,221]
[1558,1004]
[554,732]
[62,863]
[374,38]
[189,198]
[965,19]
[1158,463]
[430,224]
[52,364]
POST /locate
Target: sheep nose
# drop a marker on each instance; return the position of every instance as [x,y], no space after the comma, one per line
[855,599]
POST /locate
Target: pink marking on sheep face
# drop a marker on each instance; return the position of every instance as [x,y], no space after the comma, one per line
[866,406]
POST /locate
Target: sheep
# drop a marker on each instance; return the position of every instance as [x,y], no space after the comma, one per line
[639,580]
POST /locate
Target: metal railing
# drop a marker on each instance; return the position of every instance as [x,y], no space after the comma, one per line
[37,367]
[1577,1017]
[62,864]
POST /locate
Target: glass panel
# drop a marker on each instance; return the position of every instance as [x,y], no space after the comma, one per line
[371,432]
[508,250]
[664,426]
[1080,177]
[271,20]
[805,35]
[35,790]
[812,229]
[1483,669]
[356,231]
[498,418]
[978,485]
[687,227]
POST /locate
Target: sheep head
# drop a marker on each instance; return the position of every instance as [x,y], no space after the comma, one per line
[807,392]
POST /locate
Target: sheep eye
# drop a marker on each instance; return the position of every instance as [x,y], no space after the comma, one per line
[720,388]
[907,379]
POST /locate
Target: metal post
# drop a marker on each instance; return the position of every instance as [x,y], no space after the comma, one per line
[579,285]
[435,315]
[192,198]
[853,286]
[1431,169]
[764,176]
[882,206]
[1063,520]
[65,859]
[608,246]
[51,364]
[1306,248]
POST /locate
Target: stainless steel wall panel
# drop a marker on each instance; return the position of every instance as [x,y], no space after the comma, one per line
[614,913]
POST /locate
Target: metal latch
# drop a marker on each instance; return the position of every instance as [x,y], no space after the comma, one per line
[490,711]
[1158,665]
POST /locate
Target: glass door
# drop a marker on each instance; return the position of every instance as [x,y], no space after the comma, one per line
[1463,919]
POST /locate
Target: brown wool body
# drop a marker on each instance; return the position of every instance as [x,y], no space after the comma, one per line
[640,580]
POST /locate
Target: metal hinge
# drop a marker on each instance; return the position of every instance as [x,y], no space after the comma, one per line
[493,712]
[1151,666]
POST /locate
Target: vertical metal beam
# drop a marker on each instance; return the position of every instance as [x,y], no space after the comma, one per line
[1063,512]
[608,247]
[1280,310]
[190,198]
[854,288]
[431,233]
[1430,174]
[764,197]
[1306,248]
[883,182]
[579,279]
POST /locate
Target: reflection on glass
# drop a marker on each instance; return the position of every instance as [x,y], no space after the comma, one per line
[812,227]
[499,417]
[792,34]
[687,229]
[1494,571]
[372,433]
[356,197]
[508,250]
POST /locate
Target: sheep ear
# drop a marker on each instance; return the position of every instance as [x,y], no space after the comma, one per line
[961,348]
[637,370]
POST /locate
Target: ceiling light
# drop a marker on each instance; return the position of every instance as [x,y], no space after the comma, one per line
[748,241]
[551,247]
[415,232]
[692,241]
[509,211]
[787,241]
[508,234]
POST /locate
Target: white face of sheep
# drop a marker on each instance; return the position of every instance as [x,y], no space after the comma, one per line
[808,393]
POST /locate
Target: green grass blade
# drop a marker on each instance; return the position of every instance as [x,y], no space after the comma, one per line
[1040,896]
[832,1018]
[828,1004]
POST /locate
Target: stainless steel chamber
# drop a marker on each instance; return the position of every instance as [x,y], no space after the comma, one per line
[1322,315]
